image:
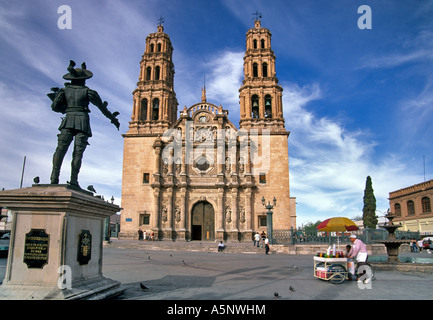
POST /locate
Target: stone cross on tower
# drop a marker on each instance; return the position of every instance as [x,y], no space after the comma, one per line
[160,27]
[258,15]
[257,19]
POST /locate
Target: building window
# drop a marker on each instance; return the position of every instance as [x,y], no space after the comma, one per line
[202,164]
[155,111]
[255,44]
[262,221]
[152,47]
[410,208]
[255,70]
[426,208]
[265,69]
[397,209]
[146,177]
[148,73]
[262,178]
[262,43]
[159,47]
[144,109]
[144,219]
[268,106]
[157,73]
[255,108]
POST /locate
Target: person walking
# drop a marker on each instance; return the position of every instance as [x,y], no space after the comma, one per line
[257,239]
[267,245]
[414,246]
[420,245]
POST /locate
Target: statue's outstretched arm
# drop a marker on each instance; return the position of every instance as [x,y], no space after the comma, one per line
[59,100]
[97,101]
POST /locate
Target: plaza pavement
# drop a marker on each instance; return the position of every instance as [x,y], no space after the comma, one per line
[208,275]
[200,275]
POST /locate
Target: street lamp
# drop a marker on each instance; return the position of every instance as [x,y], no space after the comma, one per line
[269,213]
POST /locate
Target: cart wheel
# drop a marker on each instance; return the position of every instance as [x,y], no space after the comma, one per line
[338,274]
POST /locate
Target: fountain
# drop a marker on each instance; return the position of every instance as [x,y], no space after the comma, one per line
[392,244]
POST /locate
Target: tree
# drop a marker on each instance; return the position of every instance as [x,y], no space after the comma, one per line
[369,211]
[311,226]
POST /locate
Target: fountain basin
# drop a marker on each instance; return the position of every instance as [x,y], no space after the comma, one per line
[392,248]
[382,259]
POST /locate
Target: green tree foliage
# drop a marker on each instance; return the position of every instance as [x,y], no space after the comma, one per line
[311,225]
[369,211]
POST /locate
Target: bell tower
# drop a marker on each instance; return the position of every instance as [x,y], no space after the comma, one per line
[155,103]
[260,95]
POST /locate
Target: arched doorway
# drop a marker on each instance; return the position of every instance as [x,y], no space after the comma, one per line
[203,222]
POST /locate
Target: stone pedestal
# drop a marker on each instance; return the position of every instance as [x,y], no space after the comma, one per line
[56,244]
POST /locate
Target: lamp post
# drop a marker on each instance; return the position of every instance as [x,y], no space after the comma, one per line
[269,213]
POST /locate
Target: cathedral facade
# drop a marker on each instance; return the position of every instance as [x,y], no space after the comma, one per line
[197,176]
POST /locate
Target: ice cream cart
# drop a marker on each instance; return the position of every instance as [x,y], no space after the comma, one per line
[332,269]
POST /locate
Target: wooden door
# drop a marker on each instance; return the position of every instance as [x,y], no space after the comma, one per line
[203,222]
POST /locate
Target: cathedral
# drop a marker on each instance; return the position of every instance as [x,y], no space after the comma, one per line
[192,174]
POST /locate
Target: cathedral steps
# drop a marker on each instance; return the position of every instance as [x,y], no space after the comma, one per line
[192,246]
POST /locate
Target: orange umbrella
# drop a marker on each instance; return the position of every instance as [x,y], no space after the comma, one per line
[337,224]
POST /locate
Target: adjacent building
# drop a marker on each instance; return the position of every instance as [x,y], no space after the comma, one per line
[412,207]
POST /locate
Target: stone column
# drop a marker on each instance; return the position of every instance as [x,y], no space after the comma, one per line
[235,214]
[248,210]
[220,215]
[182,225]
[168,232]
[156,212]
[157,168]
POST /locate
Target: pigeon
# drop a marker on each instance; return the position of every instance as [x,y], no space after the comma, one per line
[148,257]
[183,261]
[142,286]
[36,180]
[91,189]
[276,294]
[292,289]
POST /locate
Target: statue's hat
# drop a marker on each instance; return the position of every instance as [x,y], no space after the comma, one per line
[77,74]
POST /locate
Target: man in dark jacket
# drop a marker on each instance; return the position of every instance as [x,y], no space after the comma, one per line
[73,100]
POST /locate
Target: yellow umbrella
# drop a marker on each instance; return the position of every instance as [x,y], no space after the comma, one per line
[337,224]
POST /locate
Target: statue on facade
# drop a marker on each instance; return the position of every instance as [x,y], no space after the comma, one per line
[73,100]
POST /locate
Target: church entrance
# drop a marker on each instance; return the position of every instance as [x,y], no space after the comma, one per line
[203,222]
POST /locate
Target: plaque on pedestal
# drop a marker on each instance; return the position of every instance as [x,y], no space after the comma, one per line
[84,247]
[36,248]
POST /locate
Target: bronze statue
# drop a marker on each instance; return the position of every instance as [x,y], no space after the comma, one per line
[73,100]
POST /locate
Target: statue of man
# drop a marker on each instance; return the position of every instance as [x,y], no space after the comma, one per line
[73,100]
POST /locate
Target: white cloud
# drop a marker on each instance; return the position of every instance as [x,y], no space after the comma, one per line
[329,164]
[222,72]
[417,49]
[226,73]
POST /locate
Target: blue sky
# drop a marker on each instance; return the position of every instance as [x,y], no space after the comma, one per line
[357,102]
